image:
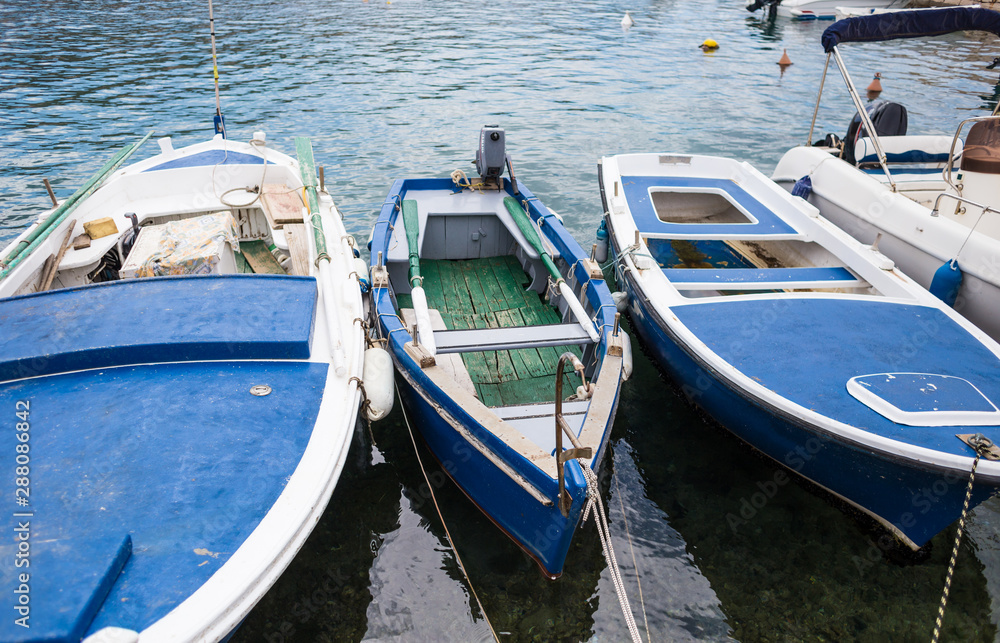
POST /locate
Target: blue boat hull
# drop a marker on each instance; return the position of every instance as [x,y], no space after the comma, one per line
[913,502]
[540,530]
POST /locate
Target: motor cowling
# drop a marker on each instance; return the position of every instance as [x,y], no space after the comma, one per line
[491,154]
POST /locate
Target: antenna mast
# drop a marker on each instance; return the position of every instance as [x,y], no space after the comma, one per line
[220,122]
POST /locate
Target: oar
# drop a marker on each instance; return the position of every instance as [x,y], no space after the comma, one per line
[303,149]
[411,221]
[524,223]
[27,245]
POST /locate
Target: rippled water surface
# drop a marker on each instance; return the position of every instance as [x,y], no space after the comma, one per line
[388,90]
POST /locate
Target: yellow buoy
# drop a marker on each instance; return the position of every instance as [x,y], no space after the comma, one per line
[709,45]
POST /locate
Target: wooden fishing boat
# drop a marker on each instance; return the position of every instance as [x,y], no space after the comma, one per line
[503,299]
[803,342]
[179,359]
[931,201]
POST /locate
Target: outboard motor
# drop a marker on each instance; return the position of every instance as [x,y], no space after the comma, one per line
[491,154]
[771,5]
[491,157]
[888,118]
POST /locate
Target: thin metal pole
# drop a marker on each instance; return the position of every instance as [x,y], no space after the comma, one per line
[864,118]
[215,70]
[822,81]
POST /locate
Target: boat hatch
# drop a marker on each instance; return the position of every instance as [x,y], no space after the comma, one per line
[673,207]
[924,399]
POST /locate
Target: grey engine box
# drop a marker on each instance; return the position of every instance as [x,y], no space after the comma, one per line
[491,154]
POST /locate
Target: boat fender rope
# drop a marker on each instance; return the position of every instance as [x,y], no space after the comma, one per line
[981,444]
[451,543]
[635,565]
[600,519]
[364,396]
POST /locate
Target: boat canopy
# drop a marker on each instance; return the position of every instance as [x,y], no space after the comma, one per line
[910,24]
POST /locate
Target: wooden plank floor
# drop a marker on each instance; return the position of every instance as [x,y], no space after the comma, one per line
[490,293]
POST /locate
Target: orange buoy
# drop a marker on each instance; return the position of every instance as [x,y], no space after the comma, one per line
[785,60]
[875,87]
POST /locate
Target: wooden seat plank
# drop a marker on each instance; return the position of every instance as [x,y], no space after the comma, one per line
[298,248]
[260,258]
[281,204]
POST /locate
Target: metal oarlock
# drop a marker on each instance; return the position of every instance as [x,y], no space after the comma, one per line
[578,451]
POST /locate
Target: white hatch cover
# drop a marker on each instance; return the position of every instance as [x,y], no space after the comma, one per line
[924,399]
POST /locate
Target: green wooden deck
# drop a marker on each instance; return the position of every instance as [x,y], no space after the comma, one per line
[490,293]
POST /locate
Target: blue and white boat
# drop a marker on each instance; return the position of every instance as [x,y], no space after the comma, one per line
[503,301]
[803,342]
[180,382]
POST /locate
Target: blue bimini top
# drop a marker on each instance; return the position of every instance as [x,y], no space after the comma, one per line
[910,24]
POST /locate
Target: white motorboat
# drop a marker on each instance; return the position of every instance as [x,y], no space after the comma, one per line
[930,203]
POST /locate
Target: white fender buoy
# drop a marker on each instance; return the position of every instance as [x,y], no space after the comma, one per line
[621,300]
[627,21]
[601,253]
[377,376]
[626,356]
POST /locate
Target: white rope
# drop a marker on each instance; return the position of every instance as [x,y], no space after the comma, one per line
[594,502]
[635,565]
[451,543]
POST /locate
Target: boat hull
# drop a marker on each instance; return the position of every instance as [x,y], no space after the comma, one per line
[492,428]
[539,529]
[913,503]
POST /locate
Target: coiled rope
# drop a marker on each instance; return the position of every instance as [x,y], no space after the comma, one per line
[594,503]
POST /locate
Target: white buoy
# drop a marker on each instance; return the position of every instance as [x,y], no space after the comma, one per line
[626,356]
[377,376]
[627,21]
[621,300]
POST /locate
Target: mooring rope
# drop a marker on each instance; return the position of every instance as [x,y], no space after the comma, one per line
[635,565]
[451,543]
[594,503]
[980,444]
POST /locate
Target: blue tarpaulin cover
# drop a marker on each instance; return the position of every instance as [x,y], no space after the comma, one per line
[910,24]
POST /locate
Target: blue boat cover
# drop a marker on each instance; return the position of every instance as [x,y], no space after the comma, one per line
[166,319]
[180,457]
[211,157]
[57,609]
[910,24]
[806,350]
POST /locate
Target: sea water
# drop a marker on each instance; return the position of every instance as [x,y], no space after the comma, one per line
[714,542]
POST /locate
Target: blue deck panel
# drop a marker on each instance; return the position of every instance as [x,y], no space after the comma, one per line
[211,157]
[807,349]
[179,456]
[163,319]
[831,274]
[66,609]
[637,188]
